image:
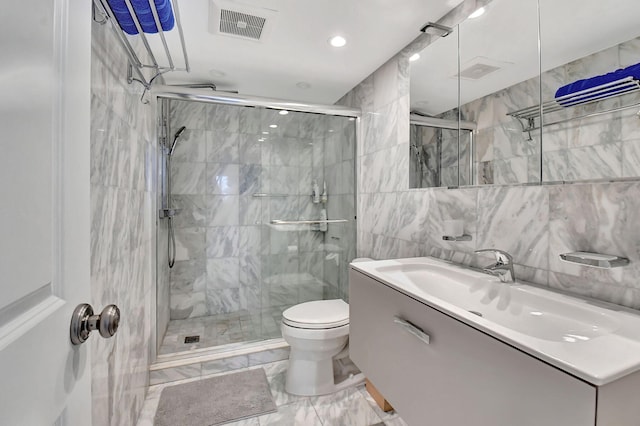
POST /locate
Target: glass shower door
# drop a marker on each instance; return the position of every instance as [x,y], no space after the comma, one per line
[235,170]
[308,229]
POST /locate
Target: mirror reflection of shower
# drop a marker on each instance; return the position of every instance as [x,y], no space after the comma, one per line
[167,211]
[420,159]
[441,151]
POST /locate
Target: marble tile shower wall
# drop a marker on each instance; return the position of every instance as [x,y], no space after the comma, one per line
[163,283]
[228,258]
[123,194]
[595,148]
[535,224]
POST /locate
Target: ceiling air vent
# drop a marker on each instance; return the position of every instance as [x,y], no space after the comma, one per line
[477,71]
[480,67]
[237,19]
[241,24]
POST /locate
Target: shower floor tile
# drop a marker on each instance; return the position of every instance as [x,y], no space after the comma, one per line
[353,407]
[223,329]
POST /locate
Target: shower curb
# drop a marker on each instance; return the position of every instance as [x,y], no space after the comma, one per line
[213,362]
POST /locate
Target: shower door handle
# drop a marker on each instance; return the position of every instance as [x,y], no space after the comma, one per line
[83,322]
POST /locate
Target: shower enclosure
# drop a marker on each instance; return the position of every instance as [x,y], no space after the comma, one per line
[251,240]
[441,154]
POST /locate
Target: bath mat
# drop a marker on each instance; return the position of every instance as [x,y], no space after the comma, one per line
[216,400]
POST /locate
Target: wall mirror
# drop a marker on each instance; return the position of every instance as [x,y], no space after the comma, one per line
[487,102]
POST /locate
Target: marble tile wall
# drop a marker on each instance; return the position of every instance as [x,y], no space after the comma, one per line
[591,148]
[163,284]
[123,191]
[535,224]
[229,257]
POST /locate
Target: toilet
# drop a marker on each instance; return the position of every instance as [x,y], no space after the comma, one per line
[318,333]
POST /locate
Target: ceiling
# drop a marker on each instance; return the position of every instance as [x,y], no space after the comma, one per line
[506,36]
[294,49]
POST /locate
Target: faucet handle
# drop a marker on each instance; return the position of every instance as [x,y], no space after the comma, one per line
[502,257]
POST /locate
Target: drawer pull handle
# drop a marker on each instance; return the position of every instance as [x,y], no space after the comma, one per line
[410,328]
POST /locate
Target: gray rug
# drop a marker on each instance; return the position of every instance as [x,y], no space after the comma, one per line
[216,400]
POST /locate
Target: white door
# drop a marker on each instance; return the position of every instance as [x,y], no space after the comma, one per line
[44,210]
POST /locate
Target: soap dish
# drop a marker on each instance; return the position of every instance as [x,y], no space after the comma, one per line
[463,237]
[596,260]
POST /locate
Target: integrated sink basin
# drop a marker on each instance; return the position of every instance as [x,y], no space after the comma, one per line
[596,341]
[516,307]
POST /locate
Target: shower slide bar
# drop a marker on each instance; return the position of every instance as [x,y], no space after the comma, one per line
[307,222]
[134,59]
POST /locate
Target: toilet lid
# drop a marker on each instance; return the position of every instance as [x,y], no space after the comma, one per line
[317,314]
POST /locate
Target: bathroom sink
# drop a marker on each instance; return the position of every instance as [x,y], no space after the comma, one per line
[536,315]
[595,340]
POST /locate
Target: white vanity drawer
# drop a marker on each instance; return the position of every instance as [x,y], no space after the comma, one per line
[462,376]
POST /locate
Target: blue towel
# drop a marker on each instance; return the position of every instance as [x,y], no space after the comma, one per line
[144,14]
[589,83]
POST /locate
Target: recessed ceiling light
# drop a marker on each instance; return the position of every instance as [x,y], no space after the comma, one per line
[261,140]
[477,13]
[414,57]
[265,133]
[303,85]
[330,130]
[283,112]
[337,41]
[273,126]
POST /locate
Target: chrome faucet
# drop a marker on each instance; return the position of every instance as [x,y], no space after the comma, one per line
[503,268]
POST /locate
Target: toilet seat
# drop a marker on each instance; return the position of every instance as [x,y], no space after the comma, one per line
[319,314]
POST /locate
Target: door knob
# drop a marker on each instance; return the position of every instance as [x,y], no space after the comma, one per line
[83,322]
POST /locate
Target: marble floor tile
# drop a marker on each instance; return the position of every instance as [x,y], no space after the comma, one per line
[253,421]
[350,407]
[396,421]
[345,408]
[299,413]
[223,329]
[384,416]
[174,374]
[274,368]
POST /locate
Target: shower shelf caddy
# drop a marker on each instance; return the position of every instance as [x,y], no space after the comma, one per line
[532,117]
[154,50]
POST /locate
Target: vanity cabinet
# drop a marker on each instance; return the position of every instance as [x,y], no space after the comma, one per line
[460,376]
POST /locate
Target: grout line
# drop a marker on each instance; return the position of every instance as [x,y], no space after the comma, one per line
[316,411]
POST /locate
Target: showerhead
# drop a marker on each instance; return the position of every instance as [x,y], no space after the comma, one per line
[175,139]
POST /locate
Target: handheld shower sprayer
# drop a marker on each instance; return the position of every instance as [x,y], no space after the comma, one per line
[175,139]
[171,246]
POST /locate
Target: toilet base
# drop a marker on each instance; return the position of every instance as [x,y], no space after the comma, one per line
[313,378]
